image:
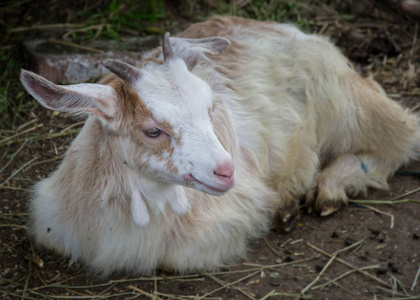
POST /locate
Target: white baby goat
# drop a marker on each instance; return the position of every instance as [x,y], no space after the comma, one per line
[189,155]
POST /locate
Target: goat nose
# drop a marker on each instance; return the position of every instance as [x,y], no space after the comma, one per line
[225,170]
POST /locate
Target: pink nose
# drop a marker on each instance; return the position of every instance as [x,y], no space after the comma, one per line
[225,171]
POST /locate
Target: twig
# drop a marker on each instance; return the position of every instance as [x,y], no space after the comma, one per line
[17,296]
[13,156]
[20,133]
[290,274]
[342,276]
[414,43]
[406,194]
[319,275]
[26,124]
[415,280]
[46,137]
[3,155]
[348,265]
[155,285]
[115,296]
[159,278]
[63,286]
[263,267]
[46,27]
[72,126]
[98,28]
[234,272]
[284,244]
[225,285]
[347,290]
[189,280]
[144,292]
[45,161]
[272,248]
[395,293]
[383,213]
[334,256]
[390,202]
[25,288]
[273,293]
[107,289]
[5,187]
[229,284]
[73,45]
[349,247]
[18,170]
[296,241]
[80,295]
[34,257]
[14,225]
[14,214]
[113,282]
[183,297]
[396,283]
[90,293]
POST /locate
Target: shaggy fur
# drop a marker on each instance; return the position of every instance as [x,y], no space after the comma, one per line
[285,109]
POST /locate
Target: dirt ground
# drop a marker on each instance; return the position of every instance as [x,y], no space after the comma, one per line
[368,250]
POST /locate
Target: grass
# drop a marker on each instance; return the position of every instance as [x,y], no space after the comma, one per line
[119,15]
[12,100]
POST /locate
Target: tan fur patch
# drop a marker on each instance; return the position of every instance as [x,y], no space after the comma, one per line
[136,116]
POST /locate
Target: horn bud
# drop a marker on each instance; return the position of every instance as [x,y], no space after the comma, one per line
[123,70]
[167,48]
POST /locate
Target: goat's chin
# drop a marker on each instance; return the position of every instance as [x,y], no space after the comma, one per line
[215,188]
[210,190]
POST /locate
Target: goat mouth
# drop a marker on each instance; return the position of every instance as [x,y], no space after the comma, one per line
[190,179]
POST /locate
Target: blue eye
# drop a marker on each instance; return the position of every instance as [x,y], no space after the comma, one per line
[153,132]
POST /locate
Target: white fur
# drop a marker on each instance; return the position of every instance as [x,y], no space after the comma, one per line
[139,211]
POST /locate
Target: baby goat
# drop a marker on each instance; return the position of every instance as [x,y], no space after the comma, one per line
[190,154]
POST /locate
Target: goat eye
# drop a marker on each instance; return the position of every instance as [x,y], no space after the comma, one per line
[153,132]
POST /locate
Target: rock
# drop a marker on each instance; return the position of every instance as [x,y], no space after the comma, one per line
[389,10]
[411,8]
[66,64]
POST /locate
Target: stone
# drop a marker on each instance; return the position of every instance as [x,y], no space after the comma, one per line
[66,63]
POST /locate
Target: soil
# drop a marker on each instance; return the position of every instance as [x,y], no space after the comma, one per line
[381,259]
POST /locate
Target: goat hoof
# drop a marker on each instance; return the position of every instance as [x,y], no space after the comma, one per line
[289,226]
[329,207]
[287,217]
[315,203]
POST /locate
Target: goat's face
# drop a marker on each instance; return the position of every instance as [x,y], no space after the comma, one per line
[165,130]
[175,120]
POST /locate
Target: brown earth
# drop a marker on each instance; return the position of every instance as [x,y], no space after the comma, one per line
[383,260]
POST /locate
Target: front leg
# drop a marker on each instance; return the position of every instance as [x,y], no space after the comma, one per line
[294,179]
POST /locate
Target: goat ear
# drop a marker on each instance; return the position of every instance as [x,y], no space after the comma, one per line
[86,97]
[126,72]
[190,50]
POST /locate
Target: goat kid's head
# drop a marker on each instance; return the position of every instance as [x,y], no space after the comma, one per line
[165,130]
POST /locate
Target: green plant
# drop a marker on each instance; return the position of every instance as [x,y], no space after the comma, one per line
[117,15]
[11,93]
